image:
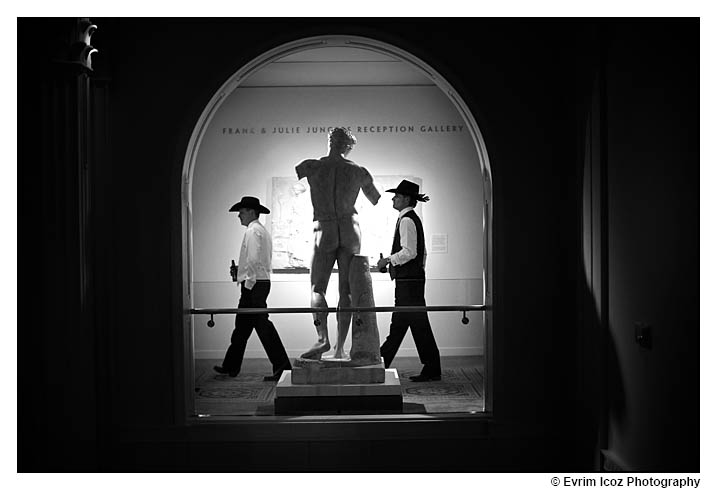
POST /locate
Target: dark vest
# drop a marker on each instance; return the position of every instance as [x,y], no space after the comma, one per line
[415,267]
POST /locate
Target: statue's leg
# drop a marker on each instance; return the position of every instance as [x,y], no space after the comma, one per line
[320,322]
[349,245]
[322,263]
[344,319]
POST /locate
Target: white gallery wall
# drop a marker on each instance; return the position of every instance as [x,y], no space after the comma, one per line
[261,133]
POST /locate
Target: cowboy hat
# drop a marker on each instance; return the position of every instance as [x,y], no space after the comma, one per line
[409,188]
[249,202]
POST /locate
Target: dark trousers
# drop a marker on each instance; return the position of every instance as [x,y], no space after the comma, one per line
[245,323]
[411,292]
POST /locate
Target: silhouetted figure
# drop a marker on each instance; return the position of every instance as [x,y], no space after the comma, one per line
[252,275]
[334,183]
[406,267]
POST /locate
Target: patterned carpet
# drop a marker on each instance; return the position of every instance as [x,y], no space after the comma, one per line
[460,390]
[243,395]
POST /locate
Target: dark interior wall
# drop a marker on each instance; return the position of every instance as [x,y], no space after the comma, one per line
[652,108]
[56,335]
[520,81]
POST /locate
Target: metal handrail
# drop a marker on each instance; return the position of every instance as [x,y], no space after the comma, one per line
[318,310]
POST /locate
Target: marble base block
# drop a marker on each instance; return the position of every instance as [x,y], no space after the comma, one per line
[337,372]
[340,398]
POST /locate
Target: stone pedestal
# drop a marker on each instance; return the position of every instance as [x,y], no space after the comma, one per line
[330,371]
[294,398]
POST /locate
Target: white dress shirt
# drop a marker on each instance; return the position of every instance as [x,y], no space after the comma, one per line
[255,255]
[408,238]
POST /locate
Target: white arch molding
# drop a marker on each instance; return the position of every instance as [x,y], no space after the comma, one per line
[357,42]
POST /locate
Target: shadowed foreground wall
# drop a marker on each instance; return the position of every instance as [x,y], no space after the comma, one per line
[652,154]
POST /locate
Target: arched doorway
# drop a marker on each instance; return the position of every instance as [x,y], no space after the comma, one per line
[408,139]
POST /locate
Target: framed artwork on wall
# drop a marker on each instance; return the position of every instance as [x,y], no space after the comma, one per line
[292,222]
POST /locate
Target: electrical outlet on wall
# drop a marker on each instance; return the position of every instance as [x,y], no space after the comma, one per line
[643,334]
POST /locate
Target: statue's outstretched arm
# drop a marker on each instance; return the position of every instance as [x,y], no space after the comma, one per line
[371,193]
[370,190]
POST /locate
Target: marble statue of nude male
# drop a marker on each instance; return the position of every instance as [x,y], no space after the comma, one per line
[334,183]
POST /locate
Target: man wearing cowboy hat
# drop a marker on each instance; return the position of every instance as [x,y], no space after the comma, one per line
[406,267]
[252,273]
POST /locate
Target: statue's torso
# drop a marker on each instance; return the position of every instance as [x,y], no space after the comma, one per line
[334,186]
